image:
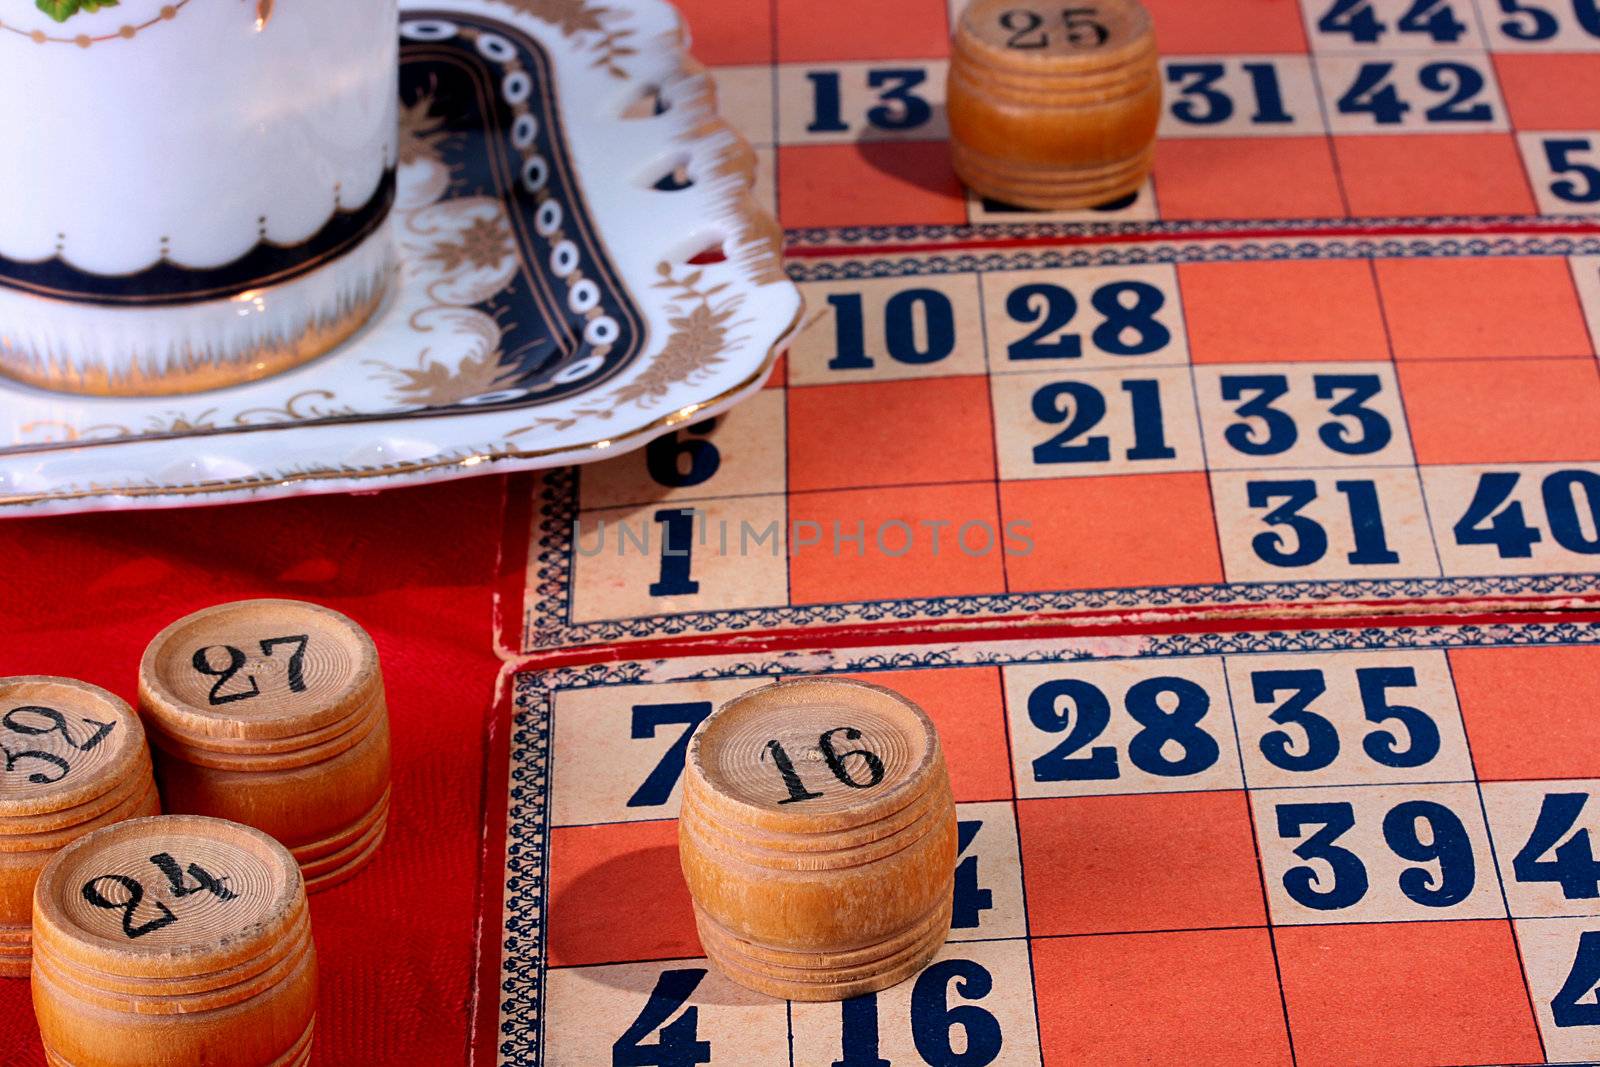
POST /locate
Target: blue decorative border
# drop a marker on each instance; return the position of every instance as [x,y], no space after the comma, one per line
[869,236]
[547,611]
[522,968]
[869,263]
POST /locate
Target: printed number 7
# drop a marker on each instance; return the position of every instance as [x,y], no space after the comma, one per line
[657,786]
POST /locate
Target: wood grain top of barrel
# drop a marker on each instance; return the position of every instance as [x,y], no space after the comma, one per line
[241,675]
[1041,38]
[67,743]
[75,759]
[817,837]
[174,939]
[812,756]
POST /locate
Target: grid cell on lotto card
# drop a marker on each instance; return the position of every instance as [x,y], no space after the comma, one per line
[1404,93]
[1561,959]
[1285,415]
[1239,96]
[1544,833]
[889,329]
[639,1012]
[1387,853]
[972,1004]
[1083,318]
[843,103]
[1533,518]
[1079,424]
[1414,993]
[1349,718]
[1564,170]
[1300,525]
[1529,711]
[1362,27]
[1503,411]
[1247,178]
[988,899]
[1120,726]
[1540,25]
[619,750]
[1283,310]
[681,556]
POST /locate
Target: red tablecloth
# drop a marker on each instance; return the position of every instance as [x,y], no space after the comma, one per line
[81,596]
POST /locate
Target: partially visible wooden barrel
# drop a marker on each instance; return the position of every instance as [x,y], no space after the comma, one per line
[1053,106]
[177,939]
[272,713]
[75,760]
[818,838]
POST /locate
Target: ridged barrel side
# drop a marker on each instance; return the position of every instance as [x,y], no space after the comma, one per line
[1053,107]
[212,962]
[273,713]
[818,838]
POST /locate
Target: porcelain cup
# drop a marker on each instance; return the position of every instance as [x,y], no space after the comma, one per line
[193,193]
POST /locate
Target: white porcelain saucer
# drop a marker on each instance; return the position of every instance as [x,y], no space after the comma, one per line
[584,269]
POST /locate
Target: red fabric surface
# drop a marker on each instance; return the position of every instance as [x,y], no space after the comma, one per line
[82,595]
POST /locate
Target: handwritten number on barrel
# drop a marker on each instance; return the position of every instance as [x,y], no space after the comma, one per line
[971,901]
[135,894]
[58,724]
[297,658]
[658,784]
[933,1018]
[224,674]
[680,1044]
[835,761]
[1027,28]
[1574,868]
[204,880]
[295,675]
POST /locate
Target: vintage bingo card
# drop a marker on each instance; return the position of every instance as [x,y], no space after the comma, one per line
[1209,833]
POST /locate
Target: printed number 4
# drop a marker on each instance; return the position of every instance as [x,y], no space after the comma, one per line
[1574,867]
[680,1044]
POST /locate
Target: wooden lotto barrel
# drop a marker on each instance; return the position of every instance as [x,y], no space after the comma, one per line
[177,939]
[75,760]
[1053,106]
[272,713]
[818,838]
